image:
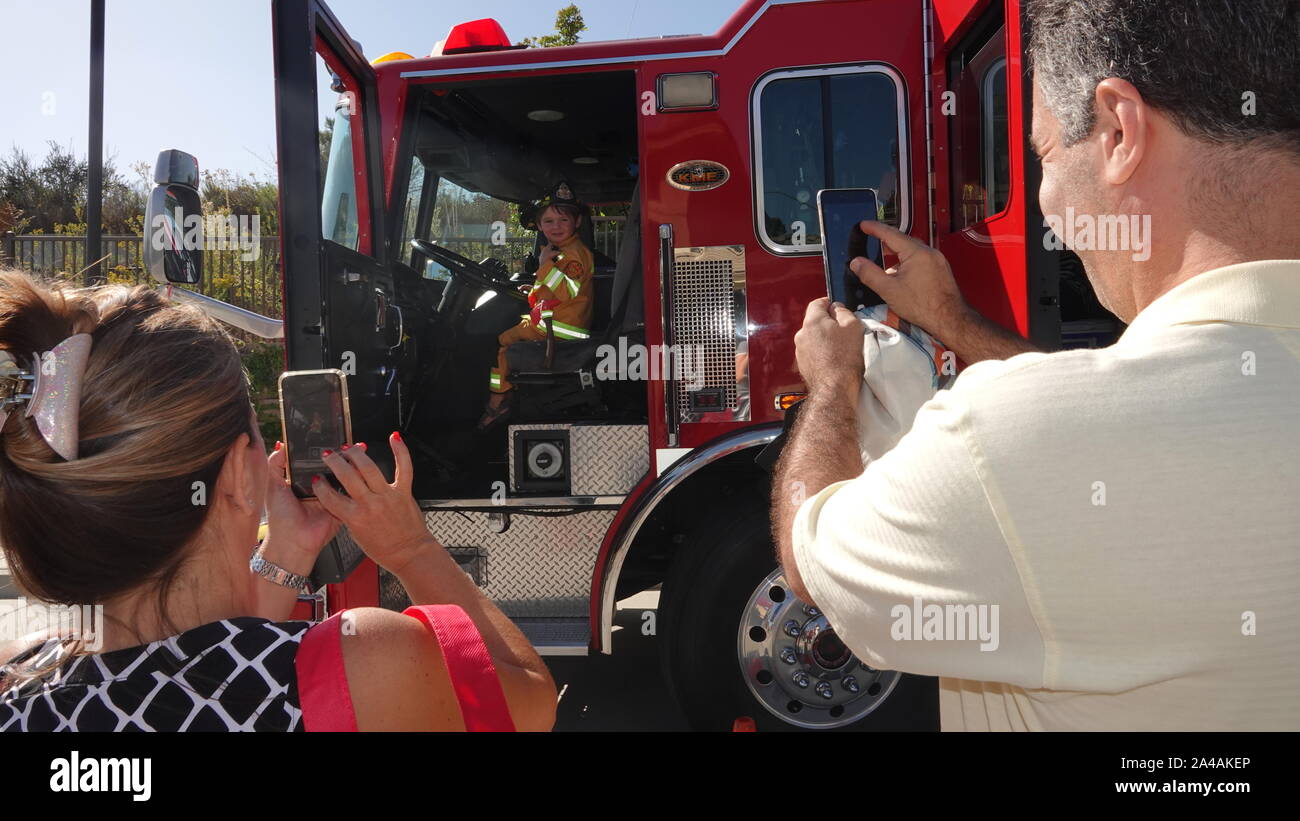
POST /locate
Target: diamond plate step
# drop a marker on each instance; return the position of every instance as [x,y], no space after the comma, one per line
[556,637]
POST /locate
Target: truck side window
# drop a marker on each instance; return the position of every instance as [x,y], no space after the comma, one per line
[411,219]
[820,128]
[981,170]
[466,221]
[340,109]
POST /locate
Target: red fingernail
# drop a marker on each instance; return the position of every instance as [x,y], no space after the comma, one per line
[397,436]
[315,479]
[326,452]
[361,445]
[345,447]
[278,444]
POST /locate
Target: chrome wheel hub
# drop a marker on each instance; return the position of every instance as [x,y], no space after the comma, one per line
[798,668]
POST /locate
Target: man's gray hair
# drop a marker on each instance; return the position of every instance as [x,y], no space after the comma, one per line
[1201,62]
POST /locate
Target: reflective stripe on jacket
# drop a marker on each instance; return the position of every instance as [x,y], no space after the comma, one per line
[564,293]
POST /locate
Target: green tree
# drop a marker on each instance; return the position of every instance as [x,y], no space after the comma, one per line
[568,25]
[48,196]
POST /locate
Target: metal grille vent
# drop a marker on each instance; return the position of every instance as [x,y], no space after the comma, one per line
[708,315]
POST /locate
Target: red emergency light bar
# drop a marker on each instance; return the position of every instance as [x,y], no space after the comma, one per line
[476,35]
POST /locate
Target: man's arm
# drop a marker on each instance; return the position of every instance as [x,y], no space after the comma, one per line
[823,446]
[817,454]
[974,338]
[916,524]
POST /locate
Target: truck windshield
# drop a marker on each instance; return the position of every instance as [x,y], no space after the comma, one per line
[338,215]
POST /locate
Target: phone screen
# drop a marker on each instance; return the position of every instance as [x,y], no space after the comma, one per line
[840,210]
[314,413]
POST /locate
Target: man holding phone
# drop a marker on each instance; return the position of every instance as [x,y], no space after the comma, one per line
[1123,518]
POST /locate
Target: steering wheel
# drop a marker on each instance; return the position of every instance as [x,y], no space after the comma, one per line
[471,272]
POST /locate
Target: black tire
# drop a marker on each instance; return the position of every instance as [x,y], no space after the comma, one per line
[715,572]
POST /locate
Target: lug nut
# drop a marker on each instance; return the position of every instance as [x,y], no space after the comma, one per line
[800,678]
[850,683]
[824,690]
[788,655]
[792,628]
[811,611]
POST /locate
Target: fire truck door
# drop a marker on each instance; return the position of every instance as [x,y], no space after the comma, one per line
[339,305]
[987,217]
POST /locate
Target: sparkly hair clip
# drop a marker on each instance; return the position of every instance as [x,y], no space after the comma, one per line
[55,398]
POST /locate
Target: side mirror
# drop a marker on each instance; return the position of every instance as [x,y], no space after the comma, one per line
[173,221]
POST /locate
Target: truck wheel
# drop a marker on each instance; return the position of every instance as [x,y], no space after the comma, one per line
[736,641]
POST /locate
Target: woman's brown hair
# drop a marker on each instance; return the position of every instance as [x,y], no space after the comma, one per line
[163,398]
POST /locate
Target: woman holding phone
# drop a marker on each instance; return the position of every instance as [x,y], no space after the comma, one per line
[133,477]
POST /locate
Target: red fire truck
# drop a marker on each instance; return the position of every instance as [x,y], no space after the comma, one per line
[611,479]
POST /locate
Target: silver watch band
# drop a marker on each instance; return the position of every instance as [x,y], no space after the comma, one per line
[276,574]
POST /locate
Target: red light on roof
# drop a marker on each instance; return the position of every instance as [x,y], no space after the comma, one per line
[476,35]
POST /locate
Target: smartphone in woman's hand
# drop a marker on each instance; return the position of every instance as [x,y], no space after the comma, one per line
[315,417]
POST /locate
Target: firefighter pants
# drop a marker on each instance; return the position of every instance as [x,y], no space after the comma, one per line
[523,332]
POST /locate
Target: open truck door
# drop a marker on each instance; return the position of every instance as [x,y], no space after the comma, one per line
[987,220]
[340,310]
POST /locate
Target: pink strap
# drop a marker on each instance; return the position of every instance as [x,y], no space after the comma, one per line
[469,665]
[323,691]
[322,682]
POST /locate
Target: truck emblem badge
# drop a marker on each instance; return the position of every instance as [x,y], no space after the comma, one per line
[698,175]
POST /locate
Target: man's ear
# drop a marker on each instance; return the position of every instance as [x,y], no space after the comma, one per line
[1123,118]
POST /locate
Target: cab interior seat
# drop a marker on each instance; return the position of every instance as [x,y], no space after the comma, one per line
[558,387]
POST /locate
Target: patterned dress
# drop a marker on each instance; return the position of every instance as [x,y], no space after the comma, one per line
[229,675]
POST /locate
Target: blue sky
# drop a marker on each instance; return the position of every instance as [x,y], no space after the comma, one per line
[197,75]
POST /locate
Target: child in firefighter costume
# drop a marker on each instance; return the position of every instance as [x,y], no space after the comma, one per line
[561,294]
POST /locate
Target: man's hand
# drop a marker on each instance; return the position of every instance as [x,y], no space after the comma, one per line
[828,349]
[920,288]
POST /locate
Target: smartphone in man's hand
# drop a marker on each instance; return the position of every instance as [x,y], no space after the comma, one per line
[839,210]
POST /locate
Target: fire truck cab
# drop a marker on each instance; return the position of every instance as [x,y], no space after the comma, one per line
[629,462]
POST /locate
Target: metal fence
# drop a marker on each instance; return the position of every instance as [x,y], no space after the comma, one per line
[253,284]
[249,283]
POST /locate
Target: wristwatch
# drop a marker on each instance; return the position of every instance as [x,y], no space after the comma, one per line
[276,574]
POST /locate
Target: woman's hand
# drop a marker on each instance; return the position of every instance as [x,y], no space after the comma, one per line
[382,517]
[296,528]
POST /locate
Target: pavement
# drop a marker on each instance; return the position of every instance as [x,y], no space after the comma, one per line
[621,692]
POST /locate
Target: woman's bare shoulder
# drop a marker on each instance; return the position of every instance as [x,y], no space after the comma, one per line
[396,674]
